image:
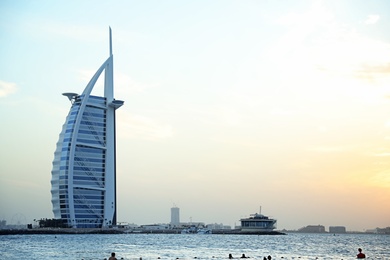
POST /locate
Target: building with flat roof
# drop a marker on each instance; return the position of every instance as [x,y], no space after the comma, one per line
[337,229]
[312,229]
[175,216]
[83,177]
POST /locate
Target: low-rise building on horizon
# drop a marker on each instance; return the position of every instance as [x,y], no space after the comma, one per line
[218,226]
[385,230]
[312,229]
[337,229]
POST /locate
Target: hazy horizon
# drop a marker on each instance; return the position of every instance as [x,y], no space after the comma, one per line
[229,106]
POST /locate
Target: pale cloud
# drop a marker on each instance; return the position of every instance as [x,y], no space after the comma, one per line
[141,127]
[330,149]
[372,19]
[282,112]
[228,116]
[316,15]
[382,154]
[387,124]
[85,33]
[322,129]
[381,179]
[315,43]
[86,74]
[301,25]
[77,32]
[230,141]
[348,53]
[24,184]
[124,85]
[7,88]
[218,115]
[375,72]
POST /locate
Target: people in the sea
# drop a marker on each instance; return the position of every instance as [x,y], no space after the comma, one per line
[112,257]
[269,257]
[230,256]
[360,254]
[243,256]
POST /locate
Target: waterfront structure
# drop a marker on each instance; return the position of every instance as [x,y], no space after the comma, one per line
[337,229]
[175,216]
[258,223]
[83,183]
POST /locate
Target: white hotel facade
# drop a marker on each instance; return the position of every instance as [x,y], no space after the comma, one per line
[83,183]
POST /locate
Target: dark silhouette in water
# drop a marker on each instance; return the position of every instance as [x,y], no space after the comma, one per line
[360,255]
[112,257]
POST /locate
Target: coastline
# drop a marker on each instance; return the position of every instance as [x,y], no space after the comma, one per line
[54,231]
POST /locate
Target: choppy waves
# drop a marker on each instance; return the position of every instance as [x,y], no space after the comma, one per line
[179,246]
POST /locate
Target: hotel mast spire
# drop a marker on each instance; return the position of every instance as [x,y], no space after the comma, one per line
[110,43]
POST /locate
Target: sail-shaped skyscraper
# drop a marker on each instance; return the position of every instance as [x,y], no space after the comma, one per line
[83,183]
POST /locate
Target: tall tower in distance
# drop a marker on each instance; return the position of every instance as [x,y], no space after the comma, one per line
[175,216]
[83,182]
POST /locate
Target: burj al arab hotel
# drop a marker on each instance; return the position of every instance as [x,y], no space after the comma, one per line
[83,183]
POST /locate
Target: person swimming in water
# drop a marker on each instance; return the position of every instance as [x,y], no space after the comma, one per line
[360,255]
[112,257]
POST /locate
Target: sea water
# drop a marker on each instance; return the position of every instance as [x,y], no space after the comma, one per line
[193,246]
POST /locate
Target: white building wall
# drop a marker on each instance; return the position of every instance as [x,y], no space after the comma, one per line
[175,216]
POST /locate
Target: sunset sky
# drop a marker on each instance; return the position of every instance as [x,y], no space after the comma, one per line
[229,106]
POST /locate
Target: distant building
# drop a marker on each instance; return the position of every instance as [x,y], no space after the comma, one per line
[312,229]
[379,230]
[175,216]
[155,227]
[83,182]
[218,226]
[3,223]
[126,225]
[337,229]
[192,224]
